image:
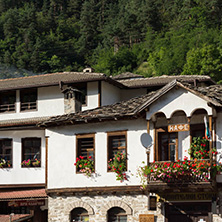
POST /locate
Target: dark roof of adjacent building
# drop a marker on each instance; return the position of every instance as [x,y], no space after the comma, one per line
[127,75]
[163,80]
[132,108]
[124,80]
[53,79]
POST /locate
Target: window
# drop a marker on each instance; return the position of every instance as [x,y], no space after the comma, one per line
[7,101]
[6,152]
[85,146]
[31,150]
[117,214]
[79,215]
[168,146]
[28,99]
[116,143]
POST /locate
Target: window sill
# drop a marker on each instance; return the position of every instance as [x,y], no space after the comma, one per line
[5,167]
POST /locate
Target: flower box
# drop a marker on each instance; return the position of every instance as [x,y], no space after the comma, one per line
[30,163]
[5,163]
[85,165]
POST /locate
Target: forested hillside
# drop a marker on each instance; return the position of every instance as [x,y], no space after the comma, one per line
[151,37]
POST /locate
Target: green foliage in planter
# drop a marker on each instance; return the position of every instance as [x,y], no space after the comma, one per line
[85,165]
[118,165]
[199,148]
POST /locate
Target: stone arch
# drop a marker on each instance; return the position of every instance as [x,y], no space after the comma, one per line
[116,203]
[81,204]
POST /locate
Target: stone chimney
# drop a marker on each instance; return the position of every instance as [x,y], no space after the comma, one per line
[72,100]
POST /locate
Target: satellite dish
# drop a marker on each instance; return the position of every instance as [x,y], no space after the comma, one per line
[146,140]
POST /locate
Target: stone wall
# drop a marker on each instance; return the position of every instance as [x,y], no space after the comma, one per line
[98,205]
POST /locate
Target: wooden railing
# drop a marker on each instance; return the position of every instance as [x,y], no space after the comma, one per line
[28,106]
[188,176]
[7,107]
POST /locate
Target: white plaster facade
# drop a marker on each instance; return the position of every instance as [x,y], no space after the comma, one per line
[17,174]
[62,154]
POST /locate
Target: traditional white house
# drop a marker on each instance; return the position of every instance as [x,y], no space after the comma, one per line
[164,121]
[47,121]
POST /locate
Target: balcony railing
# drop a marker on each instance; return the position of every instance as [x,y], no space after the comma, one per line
[28,106]
[7,108]
[182,172]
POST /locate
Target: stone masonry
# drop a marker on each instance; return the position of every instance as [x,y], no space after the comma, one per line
[98,206]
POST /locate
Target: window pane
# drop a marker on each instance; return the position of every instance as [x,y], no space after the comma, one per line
[31,148]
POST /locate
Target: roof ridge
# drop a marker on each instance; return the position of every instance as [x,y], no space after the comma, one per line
[50,74]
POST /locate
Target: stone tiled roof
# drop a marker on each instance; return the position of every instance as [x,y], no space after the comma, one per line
[133,107]
[127,75]
[163,80]
[52,79]
[21,122]
[213,93]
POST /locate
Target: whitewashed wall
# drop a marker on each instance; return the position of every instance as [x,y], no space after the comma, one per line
[17,174]
[110,94]
[92,100]
[62,154]
[178,99]
[50,102]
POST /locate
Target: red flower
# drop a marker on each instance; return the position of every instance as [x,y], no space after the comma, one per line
[74,164]
[85,164]
[90,157]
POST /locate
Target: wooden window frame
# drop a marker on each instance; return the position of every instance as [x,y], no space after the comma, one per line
[31,138]
[10,108]
[35,104]
[112,134]
[85,136]
[157,138]
[3,139]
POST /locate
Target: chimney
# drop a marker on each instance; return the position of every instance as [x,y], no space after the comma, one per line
[72,100]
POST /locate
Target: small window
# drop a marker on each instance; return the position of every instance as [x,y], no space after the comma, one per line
[79,214]
[5,153]
[117,214]
[28,99]
[116,143]
[86,146]
[7,101]
[31,152]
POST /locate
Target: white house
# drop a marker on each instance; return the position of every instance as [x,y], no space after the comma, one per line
[168,118]
[45,121]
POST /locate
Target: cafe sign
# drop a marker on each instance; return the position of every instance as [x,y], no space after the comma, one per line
[204,196]
[178,127]
[26,203]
